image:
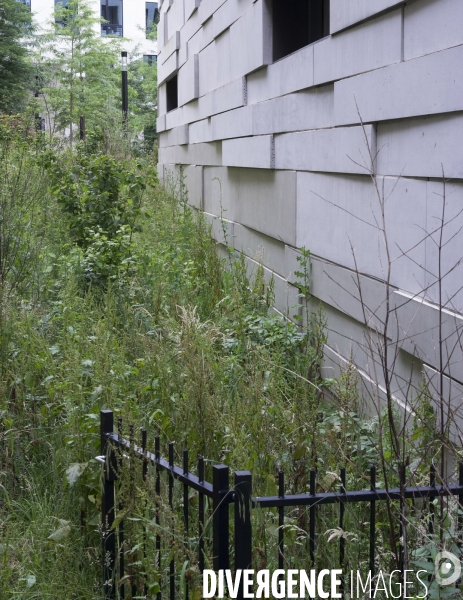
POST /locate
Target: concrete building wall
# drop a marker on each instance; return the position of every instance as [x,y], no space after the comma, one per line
[288,149]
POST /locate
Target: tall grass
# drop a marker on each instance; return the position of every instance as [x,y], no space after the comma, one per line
[187,347]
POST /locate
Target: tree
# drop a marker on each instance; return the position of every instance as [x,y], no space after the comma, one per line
[79,78]
[143,92]
[15,67]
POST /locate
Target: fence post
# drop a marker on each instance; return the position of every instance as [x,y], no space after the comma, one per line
[107,506]
[220,518]
[243,530]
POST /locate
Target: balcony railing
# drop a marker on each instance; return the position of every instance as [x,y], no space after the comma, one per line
[111,29]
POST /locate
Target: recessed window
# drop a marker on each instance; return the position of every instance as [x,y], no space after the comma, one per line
[111,11]
[298,23]
[61,18]
[150,59]
[152,16]
[172,93]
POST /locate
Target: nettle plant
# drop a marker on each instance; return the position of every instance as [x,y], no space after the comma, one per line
[102,202]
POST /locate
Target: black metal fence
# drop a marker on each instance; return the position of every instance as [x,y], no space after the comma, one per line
[114,448]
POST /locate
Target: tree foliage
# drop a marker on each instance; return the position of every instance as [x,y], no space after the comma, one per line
[79,78]
[15,68]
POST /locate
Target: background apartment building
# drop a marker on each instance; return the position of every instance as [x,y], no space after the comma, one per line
[278,111]
[131,19]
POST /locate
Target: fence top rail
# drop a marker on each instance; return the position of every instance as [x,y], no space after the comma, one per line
[192,481]
[206,488]
[358,496]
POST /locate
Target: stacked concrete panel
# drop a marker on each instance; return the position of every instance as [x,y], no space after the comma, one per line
[344,147]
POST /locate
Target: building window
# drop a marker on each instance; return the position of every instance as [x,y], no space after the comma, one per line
[298,23]
[61,4]
[150,59]
[26,2]
[172,93]
[111,11]
[152,16]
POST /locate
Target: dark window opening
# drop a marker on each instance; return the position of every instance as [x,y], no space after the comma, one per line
[298,23]
[61,20]
[111,11]
[172,94]
[152,16]
[26,2]
[150,59]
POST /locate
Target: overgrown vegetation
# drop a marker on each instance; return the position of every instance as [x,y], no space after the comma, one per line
[113,296]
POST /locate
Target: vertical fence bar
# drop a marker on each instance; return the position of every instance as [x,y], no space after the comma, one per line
[107,506]
[144,476]
[243,530]
[185,509]
[171,504]
[372,523]
[281,519]
[220,518]
[121,524]
[460,512]
[313,482]
[132,486]
[201,515]
[342,540]
[432,483]
[402,519]
[157,455]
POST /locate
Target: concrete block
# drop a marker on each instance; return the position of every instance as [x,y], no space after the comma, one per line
[174,118]
[227,97]
[260,199]
[311,109]
[340,150]
[233,123]
[451,258]
[215,61]
[374,44]
[175,18]
[250,152]
[408,89]
[161,123]
[193,154]
[416,330]
[162,100]
[292,73]
[421,147]
[228,13]
[190,7]
[201,131]
[203,36]
[351,207]
[188,81]
[345,14]
[192,25]
[168,68]
[174,137]
[160,170]
[267,201]
[221,193]
[431,26]
[264,249]
[372,394]
[222,231]
[170,47]
[251,40]
[449,395]
[193,179]
[207,8]
[341,288]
